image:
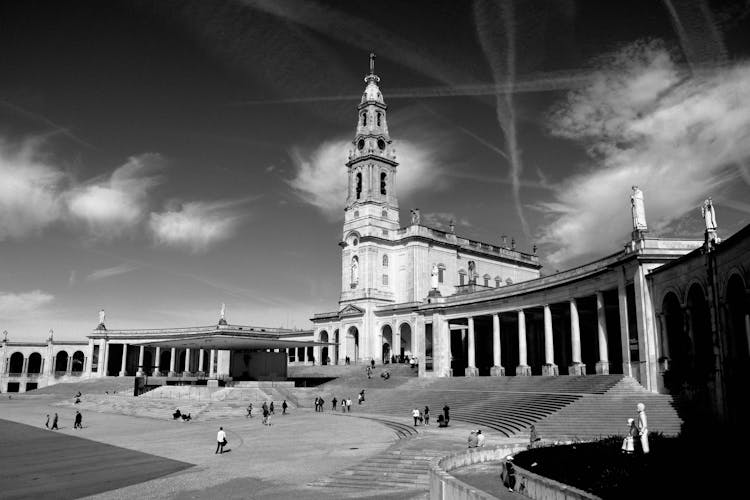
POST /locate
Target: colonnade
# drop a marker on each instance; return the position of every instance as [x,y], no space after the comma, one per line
[155,367]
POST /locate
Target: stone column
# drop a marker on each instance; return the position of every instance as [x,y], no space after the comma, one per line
[89,361]
[124,358]
[397,340]
[157,362]
[172,356]
[622,297]
[69,366]
[186,372]
[140,361]
[602,366]
[576,367]
[471,370]
[201,354]
[101,368]
[497,370]
[523,368]
[550,368]
[646,329]
[211,364]
[25,366]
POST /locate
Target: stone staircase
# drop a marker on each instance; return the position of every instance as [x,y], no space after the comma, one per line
[119,385]
[593,416]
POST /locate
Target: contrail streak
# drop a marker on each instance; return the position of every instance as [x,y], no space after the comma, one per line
[37,117]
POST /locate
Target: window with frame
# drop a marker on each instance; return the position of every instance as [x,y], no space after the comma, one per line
[385,279]
[462,278]
[441,273]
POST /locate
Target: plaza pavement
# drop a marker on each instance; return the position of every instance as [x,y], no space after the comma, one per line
[276,462]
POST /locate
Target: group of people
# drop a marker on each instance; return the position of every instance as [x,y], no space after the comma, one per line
[177,415]
[77,422]
[637,428]
[346,404]
[421,416]
[476,439]
[320,401]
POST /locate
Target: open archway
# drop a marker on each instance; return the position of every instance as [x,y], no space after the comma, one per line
[387,342]
[352,344]
[738,346]
[16,363]
[61,362]
[407,341]
[700,332]
[35,363]
[78,360]
[678,343]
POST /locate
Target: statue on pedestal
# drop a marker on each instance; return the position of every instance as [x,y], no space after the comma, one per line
[222,314]
[355,271]
[102,316]
[472,272]
[5,335]
[434,277]
[51,334]
[709,215]
[416,218]
[638,210]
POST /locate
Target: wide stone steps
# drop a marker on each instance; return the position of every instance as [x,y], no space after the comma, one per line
[592,417]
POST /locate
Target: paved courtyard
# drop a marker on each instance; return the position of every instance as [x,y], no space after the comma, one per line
[153,458]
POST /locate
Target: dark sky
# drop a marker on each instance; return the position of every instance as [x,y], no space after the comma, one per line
[158,158]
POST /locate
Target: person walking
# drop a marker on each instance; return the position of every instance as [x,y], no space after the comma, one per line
[265,415]
[415,414]
[333,403]
[78,421]
[221,440]
[643,427]
[508,474]
[446,413]
[426,414]
[249,411]
[270,409]
[46,424]
[54,423]
[317,400]
[372,363]
[284,406]
[349,405]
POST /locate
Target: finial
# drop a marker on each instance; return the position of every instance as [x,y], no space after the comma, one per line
[372,63]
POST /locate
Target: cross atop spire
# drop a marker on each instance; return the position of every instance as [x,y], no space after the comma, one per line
[372,63]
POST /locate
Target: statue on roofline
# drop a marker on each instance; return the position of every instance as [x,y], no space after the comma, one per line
[709,215]
[638,210]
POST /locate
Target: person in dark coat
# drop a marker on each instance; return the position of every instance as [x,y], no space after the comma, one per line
[270,409]
[508,474]
[426,414]
[333,403]
[54,422]
[284,406]
[446,413]
[78,421]
[46,424]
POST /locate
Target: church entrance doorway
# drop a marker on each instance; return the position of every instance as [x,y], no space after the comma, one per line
[352,344]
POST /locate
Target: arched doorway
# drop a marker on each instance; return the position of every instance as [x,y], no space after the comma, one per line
[78,359]
[61,362]
[678,343]
[16,363]
[324,351]
[164,360]
[352,344]
[35,363]
[700,330]
[387,340]
[407,342]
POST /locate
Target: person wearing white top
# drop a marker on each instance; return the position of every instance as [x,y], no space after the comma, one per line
[416,415]
[480,439]
[221,440]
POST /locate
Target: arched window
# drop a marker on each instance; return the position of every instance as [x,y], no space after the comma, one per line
[379,115]
[382,182]
[441,273]
[359,184]
[385,261]
[498,281]
[486,280]
[364,119]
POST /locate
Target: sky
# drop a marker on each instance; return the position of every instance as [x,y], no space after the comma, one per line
[160,158]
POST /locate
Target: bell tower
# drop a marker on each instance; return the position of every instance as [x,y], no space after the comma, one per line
[371,204]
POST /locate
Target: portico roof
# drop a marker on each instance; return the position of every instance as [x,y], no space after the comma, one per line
[222,341]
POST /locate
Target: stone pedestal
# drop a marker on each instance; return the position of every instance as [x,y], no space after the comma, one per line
[550,370]
[471,371]
[523,370]
[602,368]
[212,383]
[497,371]
[139,373]
[156,373]
[171,374]
[187,374]
[577,369]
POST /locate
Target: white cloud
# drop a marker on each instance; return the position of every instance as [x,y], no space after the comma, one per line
[29,190]
[15,304]
[321,177]
[113,206]
[198,225]
[677,137]
[110,272]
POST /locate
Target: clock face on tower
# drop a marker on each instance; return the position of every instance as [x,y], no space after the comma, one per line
[361,144]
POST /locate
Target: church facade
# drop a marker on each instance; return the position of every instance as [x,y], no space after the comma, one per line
[384,264]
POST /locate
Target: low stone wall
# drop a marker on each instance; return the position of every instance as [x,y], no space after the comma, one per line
[444,486]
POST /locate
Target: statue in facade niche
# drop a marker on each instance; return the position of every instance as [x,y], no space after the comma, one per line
[434,276]
[709,215]
[355,271]
[638,210]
